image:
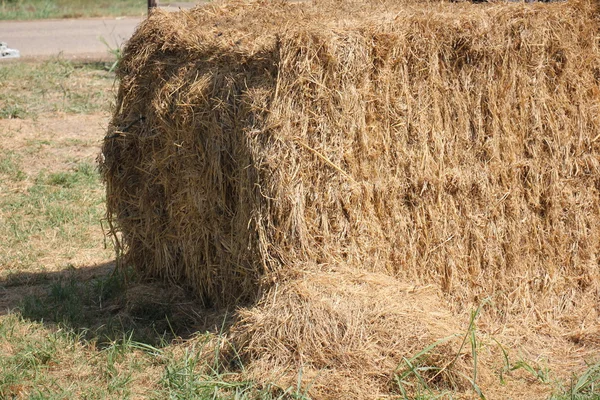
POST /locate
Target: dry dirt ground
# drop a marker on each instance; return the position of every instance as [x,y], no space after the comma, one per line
[57,143]
[78,138]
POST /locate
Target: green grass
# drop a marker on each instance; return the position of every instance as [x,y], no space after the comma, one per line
[51,199]
[583,387]
[9,166]
[99,309]
[40,363]
[58,208]
[40,9]
[57,85]
[86,338]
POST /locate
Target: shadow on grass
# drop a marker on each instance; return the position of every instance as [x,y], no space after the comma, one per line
[107,305]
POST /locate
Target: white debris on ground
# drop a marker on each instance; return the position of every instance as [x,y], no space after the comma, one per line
[6,52]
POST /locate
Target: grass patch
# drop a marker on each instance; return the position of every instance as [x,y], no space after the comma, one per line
[583,387]
[100,309]
[56,85]
[94,310]
[90,338]
[40,9]
[44,363]
[58,209]
[51,198]
[10,166]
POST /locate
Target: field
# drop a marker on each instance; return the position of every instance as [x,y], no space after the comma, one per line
[69,326]
[72,326]
[38,9]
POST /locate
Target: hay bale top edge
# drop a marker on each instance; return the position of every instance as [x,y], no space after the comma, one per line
[247,27]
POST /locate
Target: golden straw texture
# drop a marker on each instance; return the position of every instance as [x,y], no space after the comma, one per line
[452,145]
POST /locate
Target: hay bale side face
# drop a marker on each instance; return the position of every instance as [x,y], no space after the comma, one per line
[455,148]
[181,179]
[445,145]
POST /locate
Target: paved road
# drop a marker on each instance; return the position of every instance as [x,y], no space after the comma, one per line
[74,38]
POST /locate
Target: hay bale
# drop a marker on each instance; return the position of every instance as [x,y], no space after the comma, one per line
[256,148]
[444,144]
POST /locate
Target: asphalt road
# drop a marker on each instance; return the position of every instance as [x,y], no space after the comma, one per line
[73,38]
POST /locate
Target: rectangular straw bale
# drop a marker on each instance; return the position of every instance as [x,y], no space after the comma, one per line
[453,144]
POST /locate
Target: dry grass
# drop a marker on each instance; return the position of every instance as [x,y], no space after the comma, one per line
[256,149]
[51,200]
